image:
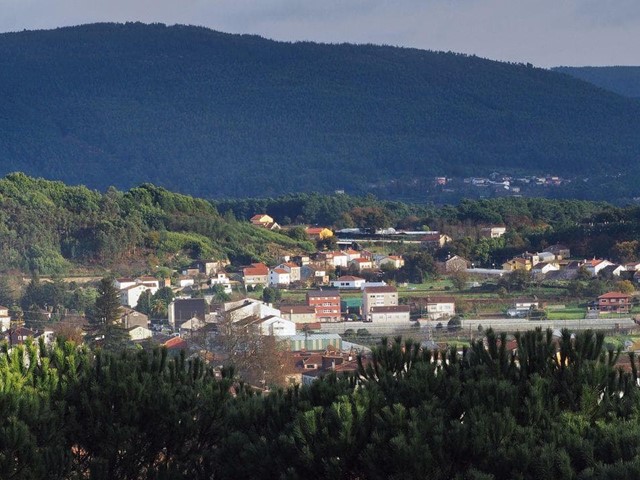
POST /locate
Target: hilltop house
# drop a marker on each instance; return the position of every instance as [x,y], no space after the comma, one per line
[435,240]
[493,232]
[265,221]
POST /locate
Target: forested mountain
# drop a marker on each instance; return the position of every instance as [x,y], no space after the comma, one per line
[213,114]
[622,80]
[47,227]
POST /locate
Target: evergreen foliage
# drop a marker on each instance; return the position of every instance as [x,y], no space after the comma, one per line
[47,227]
[217,115]
[546,411]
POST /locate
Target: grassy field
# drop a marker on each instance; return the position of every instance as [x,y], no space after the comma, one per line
[575,313]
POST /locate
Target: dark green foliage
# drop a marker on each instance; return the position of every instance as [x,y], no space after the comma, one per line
[45,227]
[546,411]
[271,295]
[107,308]
[226,115]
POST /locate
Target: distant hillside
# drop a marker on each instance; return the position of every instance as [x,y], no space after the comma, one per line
[216,115]
[48,227]
[622,80]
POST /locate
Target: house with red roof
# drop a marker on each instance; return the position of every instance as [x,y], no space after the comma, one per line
[265,221]
[256,274]
[348,281]
[279,277]
[614,302]
[596,265]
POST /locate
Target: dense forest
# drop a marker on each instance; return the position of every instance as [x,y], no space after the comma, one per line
[551,410]
[47,227]
[622,80]
[215,115]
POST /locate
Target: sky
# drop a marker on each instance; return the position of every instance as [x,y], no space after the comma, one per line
[545,33]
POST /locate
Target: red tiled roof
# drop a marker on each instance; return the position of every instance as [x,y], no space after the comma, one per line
[175,343]
[348,278]
[615,295]
[256,269]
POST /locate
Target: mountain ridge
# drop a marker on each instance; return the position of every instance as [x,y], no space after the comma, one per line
[216,115]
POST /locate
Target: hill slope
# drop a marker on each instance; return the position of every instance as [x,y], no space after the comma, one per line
[622,80]
[217,115]
[47,227]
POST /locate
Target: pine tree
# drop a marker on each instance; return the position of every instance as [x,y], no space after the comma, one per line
[107,308]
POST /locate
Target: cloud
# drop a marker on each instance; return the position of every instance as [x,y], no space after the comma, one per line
[543,32]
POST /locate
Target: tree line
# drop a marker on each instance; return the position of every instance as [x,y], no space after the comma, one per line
[554,408]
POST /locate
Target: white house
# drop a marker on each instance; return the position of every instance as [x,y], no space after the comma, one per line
[546,257]
[221,279]
[278,277]
[440,307]
[542,268]
[293,270]
[352,254]
[399,314]
[392,260]
[348,281]
[139,333]
[186,282]
[594,266]
[340,260]
[5,319]
[129,296]
[237,311]
[361,264]
[277,326]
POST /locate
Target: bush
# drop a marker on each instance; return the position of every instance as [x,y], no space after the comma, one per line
[455,323]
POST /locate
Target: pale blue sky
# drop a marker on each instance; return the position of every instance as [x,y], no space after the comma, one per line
[543,32]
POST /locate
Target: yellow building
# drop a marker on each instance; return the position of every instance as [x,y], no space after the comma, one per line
[517,264]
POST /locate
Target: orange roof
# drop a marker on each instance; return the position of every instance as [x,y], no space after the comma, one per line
[615,295]
[175,343]
[349,278]
[281,271]
[256,269]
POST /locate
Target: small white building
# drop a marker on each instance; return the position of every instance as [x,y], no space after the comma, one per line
[186,282]
[348,281]
[399,314]
[221,279]
[279,277]
[139,333]
[440,307]
[340,260]
[594,266]
[277,326]
[5,319]
[129,296]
